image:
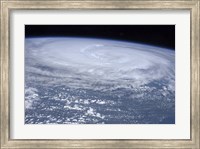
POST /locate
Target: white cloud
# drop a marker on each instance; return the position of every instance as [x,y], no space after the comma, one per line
[97,64]
[30,97]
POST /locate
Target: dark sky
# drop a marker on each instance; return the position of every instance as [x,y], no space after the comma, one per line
[158,35]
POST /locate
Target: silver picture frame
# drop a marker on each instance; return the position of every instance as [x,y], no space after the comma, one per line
[193,6]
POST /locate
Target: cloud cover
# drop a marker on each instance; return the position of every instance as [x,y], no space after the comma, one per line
[83,80]
[84,62]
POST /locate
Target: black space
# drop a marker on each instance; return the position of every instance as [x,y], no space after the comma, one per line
[158,35]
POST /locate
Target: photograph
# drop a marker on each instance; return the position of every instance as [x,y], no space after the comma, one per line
[99,74]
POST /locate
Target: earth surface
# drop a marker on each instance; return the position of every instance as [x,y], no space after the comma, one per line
[98,81]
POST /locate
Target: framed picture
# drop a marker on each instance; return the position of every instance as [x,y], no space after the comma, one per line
[100,74]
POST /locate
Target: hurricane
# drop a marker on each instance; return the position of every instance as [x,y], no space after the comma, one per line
[73,80]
